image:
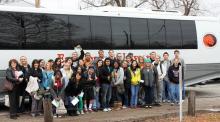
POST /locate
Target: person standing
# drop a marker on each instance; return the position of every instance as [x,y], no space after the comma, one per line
[106,88]
[88,85]
[182,62]
[173,75]
[57,65]
[13,76]
[112,58]
[135,81]
[118,83]
[36,72]
[127,84]
[166,83]
[149,75]
[25,67]
[73,89]
[159,84]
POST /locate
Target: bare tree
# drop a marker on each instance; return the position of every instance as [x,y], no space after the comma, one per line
[188,6]
[159,4]
[119,3]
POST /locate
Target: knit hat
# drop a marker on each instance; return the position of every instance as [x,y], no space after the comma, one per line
[147,60]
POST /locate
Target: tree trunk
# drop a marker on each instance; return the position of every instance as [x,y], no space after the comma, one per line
[118,3]
[123,3]
[187,11]
[37,3]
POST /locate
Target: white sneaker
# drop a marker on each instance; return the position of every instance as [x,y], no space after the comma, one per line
[124,107]
[77,113]
[172,104]
[109,109]
[105,110]
[82,112]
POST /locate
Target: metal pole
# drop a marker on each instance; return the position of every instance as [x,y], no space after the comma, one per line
[180,93]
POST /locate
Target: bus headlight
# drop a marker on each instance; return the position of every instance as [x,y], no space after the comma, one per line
[209,40]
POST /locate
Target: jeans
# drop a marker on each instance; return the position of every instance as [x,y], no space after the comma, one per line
[106,95]
[149,94]
[166,90]
[158,92]
[96,104]
[134,95]
[174,88]
[126,100]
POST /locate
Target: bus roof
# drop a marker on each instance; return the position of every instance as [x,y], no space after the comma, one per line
[109,13]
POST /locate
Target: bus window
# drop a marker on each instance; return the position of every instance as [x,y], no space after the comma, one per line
[120,33]
[101,32]
[189,34]
[80,32]
[10,30]
[157,33]
[173,34]
[45,31]
[139,34]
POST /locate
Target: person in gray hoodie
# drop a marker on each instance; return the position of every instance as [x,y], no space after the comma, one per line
[118,83]
[149,78]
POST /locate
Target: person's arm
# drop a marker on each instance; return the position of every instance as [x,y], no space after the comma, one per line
[81,55]
[139,75]
[142,74]
[155,74]
[9,76]
[164,72]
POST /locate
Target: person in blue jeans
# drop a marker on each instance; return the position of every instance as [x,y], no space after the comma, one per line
[173,74]
[166,83]
[106,88]
[135,82]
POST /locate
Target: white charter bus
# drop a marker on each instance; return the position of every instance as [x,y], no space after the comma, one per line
[41,33]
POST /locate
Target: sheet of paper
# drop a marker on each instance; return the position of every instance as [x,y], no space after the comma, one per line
[55,103]
[75,101]
[81,94]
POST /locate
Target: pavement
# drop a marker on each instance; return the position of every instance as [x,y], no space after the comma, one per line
[207,98]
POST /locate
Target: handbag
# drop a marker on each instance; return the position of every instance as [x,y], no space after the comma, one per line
[8,86]
[61,108]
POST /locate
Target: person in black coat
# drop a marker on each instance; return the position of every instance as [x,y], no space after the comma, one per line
[73,89]
[25,67]
[88,85]
[127,84]
[35,71]
[105,80]
[15,76]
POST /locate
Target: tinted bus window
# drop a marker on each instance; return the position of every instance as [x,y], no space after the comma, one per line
[120,33]
[139,34]
[10,30]
[173,34]
[101,32]
[189,34]
[157,34]
[80,32]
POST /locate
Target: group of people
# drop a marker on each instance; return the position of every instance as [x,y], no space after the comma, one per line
[99,83]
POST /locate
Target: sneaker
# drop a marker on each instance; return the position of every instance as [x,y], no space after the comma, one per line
[82,112]
[91,111]
[86,111]
[109,109]
[168,101]
[150,106]
[33,115]
[146,106]
[164,101]
[105,110]
[124,107]
[172,104]
[59,116]
[78,113]
[55,116]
